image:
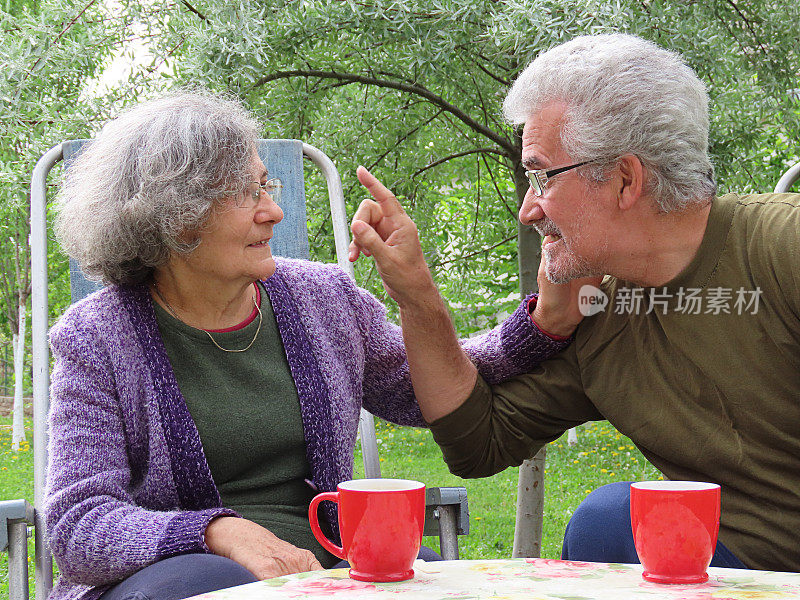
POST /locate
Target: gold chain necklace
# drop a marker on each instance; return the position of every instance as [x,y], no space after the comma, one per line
[175,314]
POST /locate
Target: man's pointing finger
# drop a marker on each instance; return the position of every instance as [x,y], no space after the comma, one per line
[380,192]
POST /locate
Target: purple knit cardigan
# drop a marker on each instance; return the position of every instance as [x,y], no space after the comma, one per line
[128,483]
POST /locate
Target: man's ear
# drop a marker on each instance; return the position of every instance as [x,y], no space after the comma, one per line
[630,182]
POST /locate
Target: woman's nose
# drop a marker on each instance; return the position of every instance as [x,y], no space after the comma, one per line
[269,211]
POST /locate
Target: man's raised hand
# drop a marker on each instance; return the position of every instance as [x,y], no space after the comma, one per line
[383,230]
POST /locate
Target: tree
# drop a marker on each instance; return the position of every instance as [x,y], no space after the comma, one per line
[50,53]
[16,285]
[412,89]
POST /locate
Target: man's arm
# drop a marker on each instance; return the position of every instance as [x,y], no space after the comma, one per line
[501,425]
[442,374]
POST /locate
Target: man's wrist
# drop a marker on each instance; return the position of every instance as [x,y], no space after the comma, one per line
[422,297]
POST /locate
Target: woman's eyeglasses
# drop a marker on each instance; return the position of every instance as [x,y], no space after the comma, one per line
[252,194]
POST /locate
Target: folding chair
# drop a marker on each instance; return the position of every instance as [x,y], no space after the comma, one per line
[446,508]
[787,179]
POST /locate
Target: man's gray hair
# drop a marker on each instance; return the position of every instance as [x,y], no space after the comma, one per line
[625,95]
[144,188]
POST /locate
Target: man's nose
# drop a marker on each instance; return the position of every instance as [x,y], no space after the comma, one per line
[530,211]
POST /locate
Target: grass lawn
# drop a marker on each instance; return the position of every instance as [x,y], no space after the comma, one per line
[601,456]
[16,481]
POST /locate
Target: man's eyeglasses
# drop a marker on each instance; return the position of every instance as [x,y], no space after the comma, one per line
[252,194]
[540,177]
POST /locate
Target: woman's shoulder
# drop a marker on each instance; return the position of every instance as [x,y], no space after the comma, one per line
[301,265]
[97,311]
[318,285]
[301,272]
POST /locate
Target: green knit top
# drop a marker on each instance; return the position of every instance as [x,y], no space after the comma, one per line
[247,412]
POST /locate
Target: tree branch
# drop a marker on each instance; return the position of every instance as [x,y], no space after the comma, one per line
[749,25]
[415,89]
[193,9]
[57,40]
[477,200]
[402,138]
[372,125]
[476,253]
[500,195]
[498,79]
[436,163]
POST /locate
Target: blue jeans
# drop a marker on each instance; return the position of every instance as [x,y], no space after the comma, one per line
[190,574]
[180,577]
[600,530]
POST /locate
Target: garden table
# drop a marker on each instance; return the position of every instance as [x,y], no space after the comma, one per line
[528,579]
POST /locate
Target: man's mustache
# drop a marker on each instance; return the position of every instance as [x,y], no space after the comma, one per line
[545,226]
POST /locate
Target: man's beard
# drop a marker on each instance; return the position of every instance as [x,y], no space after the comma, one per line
[562,265]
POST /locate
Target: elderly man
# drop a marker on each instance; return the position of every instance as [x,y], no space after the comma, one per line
[693,350]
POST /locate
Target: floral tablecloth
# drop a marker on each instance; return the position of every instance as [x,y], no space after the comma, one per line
[528,579]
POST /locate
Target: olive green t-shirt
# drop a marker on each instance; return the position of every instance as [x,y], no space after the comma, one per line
[708,389]
[247,411]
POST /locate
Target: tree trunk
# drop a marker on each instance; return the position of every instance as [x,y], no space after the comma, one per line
[18,427]
[530,508]
[529,249]
[530,488]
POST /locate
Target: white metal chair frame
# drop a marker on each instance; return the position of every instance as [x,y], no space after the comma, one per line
[788,178]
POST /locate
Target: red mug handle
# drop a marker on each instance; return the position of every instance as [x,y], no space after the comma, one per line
[312,518]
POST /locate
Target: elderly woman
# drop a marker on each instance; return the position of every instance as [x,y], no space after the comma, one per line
[203,397]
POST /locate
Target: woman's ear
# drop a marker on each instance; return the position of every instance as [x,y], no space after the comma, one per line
[631,181]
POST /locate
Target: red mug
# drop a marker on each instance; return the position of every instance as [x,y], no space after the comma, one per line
[675,526]
[381,523]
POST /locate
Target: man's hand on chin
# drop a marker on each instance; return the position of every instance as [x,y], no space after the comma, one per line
[557,311]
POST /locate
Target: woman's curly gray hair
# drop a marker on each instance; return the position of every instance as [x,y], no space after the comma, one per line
[144,188]
[625,95]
